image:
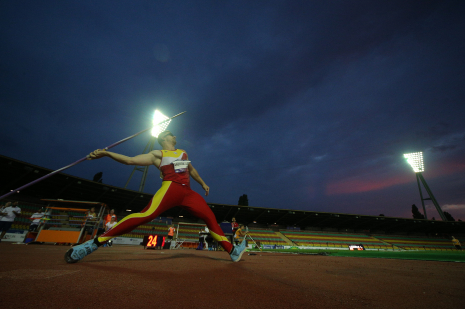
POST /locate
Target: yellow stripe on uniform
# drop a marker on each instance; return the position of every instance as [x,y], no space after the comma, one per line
[155,202]
[218,237]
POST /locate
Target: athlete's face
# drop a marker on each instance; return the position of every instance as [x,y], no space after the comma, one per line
[170,138]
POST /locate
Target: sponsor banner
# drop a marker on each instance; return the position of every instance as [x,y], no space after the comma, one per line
[325,248]
[15,236]
[272,247]
[127,241]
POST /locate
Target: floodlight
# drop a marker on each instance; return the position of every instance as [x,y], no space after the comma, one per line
[157,126]
[415,159]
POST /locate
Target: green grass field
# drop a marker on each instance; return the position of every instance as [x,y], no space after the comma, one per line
[443,256]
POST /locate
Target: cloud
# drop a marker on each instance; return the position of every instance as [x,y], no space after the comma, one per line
[456,210]
[351,186]
[443,148]
[453,207]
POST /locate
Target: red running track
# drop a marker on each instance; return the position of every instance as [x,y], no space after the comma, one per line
[36,276]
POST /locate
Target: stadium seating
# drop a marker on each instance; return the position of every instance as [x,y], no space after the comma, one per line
[190,232]
[418,243]
[22,221]
[266,237]
[334,239]
[154,227]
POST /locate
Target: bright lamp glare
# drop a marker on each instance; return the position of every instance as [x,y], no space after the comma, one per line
[415,159]
[158,128]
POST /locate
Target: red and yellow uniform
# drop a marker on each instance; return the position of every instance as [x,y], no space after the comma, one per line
[175,191]
[174,166]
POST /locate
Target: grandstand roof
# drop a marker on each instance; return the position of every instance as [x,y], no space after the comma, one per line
[16,173]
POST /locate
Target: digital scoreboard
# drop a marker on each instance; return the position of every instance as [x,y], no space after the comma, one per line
[152,241]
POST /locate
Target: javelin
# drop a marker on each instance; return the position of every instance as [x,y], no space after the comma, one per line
[82,159]
[247,234]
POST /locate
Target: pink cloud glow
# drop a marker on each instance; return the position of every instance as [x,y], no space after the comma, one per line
[356,185]
[364,185]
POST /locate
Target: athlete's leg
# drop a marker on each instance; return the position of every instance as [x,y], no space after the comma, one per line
[196,205]
[167,197]
[164,199]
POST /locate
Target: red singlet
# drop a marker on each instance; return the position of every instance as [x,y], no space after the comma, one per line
[174,166]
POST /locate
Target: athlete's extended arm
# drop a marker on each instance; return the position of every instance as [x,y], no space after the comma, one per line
[194,174]
[142,160]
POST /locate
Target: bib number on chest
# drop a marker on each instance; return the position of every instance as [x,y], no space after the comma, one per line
[180,166]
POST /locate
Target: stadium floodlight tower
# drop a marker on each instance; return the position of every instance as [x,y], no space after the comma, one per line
[415,159]
[156,130]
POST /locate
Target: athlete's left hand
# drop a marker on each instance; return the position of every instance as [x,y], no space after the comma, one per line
[207,189]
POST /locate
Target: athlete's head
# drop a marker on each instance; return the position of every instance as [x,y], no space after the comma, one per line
[166,137]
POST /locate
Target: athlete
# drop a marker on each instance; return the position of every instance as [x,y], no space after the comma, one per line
[456,243]
[240,234]
[176,170]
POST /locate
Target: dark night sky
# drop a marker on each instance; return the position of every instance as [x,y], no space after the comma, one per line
[299,104]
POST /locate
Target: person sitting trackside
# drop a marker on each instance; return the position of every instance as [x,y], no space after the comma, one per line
[108,226]
[240,234]
[91,217]
[36,218]
[456,243]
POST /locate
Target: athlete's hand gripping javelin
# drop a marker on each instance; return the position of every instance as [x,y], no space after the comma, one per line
[96,154]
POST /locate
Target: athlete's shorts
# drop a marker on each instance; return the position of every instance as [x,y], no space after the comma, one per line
[5,225]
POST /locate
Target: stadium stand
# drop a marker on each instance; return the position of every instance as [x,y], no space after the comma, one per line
[266,237]
[334,239]
[153,227]
[22,221]
[67,187]
[418,243]
[189,231]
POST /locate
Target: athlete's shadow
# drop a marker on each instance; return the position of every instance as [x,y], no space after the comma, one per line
[158,258]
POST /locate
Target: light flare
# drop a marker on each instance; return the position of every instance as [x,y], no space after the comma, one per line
[415,159]
[157,126]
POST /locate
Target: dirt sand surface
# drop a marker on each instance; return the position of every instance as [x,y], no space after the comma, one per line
[35,276]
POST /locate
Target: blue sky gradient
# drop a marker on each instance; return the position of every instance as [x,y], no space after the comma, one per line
[298,104]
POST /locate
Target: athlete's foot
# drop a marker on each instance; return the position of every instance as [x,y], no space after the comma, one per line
[237,252]
[78,252]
